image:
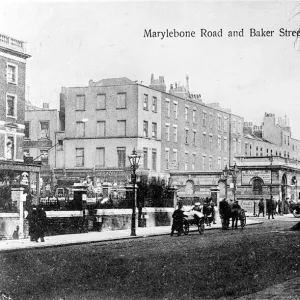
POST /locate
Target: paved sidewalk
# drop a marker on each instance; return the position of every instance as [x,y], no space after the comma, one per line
[95,236]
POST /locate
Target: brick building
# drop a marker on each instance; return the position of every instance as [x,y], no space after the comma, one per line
[41,128]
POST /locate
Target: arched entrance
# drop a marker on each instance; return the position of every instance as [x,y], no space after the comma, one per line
[284,187]
[257,185]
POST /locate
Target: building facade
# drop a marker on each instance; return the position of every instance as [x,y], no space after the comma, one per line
[40,137]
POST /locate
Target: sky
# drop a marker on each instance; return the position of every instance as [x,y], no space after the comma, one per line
[73,42]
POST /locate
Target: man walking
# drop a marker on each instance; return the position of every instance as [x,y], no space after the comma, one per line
[270,207]
[261,207]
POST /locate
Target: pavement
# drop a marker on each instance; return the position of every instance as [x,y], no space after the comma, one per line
[103,236]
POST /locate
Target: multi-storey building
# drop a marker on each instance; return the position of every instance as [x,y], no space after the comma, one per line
[103,123]
[13,171]
[41,128]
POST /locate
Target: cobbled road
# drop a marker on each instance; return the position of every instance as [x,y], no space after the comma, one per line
[259,262]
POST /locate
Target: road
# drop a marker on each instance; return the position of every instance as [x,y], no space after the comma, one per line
[218,265]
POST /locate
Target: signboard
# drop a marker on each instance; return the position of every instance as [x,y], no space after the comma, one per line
[265,175]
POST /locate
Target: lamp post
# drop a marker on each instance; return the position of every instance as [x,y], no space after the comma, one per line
[271,161]
[225,174]
[134,159]
[233,172]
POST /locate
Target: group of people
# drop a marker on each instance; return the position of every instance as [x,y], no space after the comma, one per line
[37,220]
[273,207]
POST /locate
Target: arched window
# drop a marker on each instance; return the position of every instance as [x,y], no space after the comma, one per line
[257,184]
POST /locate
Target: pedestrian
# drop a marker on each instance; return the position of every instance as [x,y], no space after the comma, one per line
[177,216]
[270,207]
[279,207]
[230,203]
[275,207]
[41,223]
[32,222]
[224,210]
[261,207]
[213,210]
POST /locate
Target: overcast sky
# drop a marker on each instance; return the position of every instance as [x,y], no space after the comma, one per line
[74,42]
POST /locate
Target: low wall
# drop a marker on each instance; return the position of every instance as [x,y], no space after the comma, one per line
[8,226]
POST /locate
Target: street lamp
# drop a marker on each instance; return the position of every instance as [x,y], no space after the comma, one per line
[225,174]
[134,159]
[233,172]
[271,161]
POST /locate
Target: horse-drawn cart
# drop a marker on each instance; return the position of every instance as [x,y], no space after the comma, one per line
[193,218]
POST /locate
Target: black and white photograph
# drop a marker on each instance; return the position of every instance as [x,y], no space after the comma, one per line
[149,150]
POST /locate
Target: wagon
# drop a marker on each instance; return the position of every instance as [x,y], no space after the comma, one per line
[193,218]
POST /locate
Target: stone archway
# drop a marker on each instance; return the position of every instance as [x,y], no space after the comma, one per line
[189,187]
[257,185]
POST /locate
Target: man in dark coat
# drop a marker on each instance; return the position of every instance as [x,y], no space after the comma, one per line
[177,216]
[261,207]
[32,222]
[270,207]
[224,211]
[41,223]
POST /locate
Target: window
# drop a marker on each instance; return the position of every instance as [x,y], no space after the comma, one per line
[210,142]
[219,143]
[100,157]
[186,114]
[44,157]
[257,184]
[239,127]
[234,146]
[80,102]
[101,101]
[234,126]
[12,73]
[186,136]
[193,161]
[145,152]
[101,128]
[10,147]
[121,152]
[210,121]
[154,104]
[11,106]
[175,111]
[219,123]
[246,149]
[204,119]
[154,159]
[240,147]
[27,130]
[194,116]
[80,129]
[256,150]
[145,128]
[194,137]
[219,163]
[210,163]
[203,162]
[186,161]
[167,132]
[44,130]
[204,140]
[121,100]
[154,130]
[167,158]
[261,150]
[175,155]
[225,162]
[225,144]
[225,124]
[79,157]
[121,128]
[175,133]
[145,106]
[60,145]
[168,108]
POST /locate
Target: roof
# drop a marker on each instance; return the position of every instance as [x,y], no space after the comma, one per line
[255,137]
[114,81]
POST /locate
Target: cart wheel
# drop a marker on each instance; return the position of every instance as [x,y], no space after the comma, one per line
[243,223]
[201,227]
[186,228]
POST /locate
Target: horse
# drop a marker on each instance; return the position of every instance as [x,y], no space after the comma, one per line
[235,214]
